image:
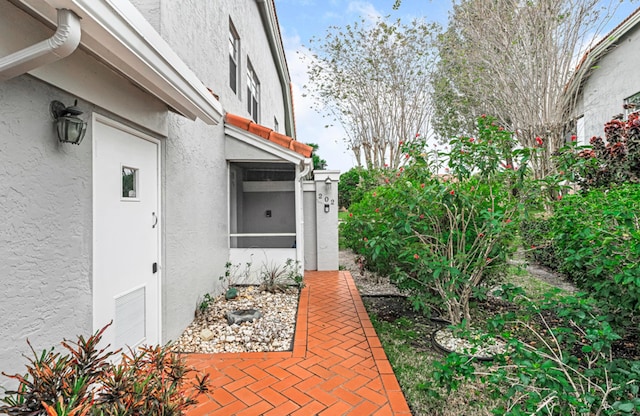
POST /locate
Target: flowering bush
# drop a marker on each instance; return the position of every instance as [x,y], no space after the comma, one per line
[615,161]
[442,236]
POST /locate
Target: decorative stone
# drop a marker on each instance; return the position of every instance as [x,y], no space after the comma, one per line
[272,332]
[206,334]
[242,315]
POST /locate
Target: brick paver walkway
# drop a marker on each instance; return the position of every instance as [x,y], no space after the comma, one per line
[337,366]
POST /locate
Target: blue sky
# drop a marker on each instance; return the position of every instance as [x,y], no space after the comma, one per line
[301,20]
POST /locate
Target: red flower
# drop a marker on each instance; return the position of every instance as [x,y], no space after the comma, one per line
[471,140]
[574,138]
[483,116]
[488,259]
[489,209]
[374,194]
[422,185]
[452,192]
[421,216]
[401,143]
[507,221]
[533,247]
[539,141]
[481,235]
[365,239]
[351,214]
[401,169]
[416,256]
[417,135]
[559,197]
[377,209]
[406,156]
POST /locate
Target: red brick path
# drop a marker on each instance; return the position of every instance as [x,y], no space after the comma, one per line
[337,366]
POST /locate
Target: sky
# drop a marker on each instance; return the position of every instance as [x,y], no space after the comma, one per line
[301,20]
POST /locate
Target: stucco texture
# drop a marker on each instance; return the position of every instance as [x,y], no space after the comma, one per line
[613,78]
[45,232]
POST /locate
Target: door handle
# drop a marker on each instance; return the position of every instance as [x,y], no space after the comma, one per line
[155,220]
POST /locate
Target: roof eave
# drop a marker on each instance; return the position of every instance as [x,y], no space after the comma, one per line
[119,35]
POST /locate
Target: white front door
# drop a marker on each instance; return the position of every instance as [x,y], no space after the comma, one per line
[126,250]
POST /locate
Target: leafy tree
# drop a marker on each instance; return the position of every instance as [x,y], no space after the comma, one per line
[373,79]
[513,59]
[318,163]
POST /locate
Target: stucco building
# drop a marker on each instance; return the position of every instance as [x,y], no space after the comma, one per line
[607,81]
[188,162]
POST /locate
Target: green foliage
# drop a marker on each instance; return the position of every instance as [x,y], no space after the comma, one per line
[276,278]
[615,161]
[597,237]
[442,237]
[537,238]
[355,183]
[565,367]
[84,381]
[318,162]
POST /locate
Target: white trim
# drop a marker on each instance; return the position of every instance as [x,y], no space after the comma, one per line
[258,142]
[118,34]
[95,117]
[593,55]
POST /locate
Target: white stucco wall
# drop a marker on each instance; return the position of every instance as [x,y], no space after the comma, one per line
[195,219]
[614,77]
[199,35]
[45,187]
[45,231]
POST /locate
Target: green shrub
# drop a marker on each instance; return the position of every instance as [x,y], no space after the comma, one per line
[597,237]
[537,241]
[442,237]
[85,381]
[355,183]
[565,367]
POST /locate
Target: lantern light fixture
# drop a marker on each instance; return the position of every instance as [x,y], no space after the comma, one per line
[69,127]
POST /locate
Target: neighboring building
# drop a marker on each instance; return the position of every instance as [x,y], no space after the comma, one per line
[178,172]
[607,80]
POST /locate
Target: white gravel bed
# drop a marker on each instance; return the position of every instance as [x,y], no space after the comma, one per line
[487,350]
[273,331]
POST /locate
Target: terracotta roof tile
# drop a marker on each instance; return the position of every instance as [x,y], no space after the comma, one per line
[268,134]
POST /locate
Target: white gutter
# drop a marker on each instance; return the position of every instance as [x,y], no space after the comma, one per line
[63,42]
[115,32]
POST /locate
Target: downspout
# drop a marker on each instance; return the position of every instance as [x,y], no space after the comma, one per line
[63,42]
[306,166]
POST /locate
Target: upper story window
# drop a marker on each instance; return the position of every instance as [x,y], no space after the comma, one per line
[632,104]
[253,92]
[234,55]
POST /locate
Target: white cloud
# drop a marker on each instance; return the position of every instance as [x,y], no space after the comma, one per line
[365,10]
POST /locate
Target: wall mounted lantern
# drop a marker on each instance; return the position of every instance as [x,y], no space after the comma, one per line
[70,128]
[327,182]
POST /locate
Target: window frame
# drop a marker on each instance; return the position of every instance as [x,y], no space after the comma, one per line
[234,59]
[632,99]
[253,93]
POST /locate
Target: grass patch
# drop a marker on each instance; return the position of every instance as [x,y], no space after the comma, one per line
[413,367]
[406,343]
